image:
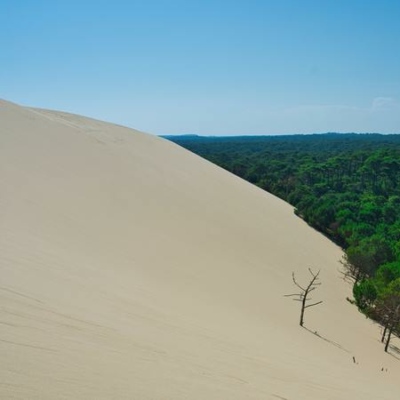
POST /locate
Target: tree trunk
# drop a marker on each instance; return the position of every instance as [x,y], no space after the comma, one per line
[388,338]
[384,333]
[394,323]
[303,306]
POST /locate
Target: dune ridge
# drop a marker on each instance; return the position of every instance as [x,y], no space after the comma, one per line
[133,269]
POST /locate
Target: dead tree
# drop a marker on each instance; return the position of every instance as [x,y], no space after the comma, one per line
[350,272]
[385,324]
[393,323]
[388,309]
[303,295]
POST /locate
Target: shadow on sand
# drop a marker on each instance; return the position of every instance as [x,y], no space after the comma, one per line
[395,351]
[326,339]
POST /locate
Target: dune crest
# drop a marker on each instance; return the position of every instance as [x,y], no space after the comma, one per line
[133,269]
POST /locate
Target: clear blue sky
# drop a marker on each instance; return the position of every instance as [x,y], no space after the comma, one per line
[212,67]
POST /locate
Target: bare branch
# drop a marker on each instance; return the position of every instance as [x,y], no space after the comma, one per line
[312,305]
[312,273]
[295,282]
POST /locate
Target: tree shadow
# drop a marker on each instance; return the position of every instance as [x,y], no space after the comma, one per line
[395,351]
[327,340]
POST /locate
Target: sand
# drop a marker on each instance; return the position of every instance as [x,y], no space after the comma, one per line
[133,269]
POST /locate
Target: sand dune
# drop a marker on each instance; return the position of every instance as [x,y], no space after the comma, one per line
[132,269]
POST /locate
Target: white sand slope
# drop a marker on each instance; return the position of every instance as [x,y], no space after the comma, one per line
[132,269]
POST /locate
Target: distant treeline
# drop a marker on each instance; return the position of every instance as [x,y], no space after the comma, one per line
[345,185]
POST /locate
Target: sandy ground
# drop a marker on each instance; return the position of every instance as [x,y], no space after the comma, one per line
[132,269]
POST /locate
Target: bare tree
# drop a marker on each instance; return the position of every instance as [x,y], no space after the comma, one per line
[393,325]
[392,306]
[388,311]
[350,272]
[359,262]
[385,323]
[303,295]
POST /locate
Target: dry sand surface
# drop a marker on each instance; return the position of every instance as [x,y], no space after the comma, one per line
[133,269]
